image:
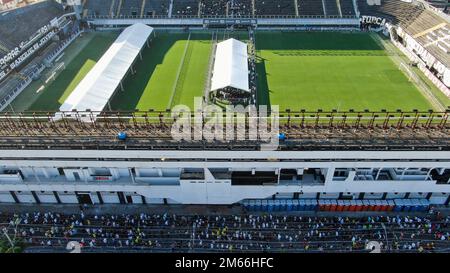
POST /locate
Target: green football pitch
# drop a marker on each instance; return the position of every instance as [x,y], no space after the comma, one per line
[173,71]
[331,70]
[296,70]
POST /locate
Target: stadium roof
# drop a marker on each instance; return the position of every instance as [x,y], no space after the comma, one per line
[230,66]
[98,86]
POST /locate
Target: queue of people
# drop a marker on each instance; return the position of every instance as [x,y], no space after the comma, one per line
[230,233]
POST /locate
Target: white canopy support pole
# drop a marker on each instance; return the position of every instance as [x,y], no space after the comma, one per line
[109,105]
[121,86]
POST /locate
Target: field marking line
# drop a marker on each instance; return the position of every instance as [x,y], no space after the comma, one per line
[180,67]
[417,80]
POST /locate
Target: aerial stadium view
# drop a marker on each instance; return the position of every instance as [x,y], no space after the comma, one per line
[224,126]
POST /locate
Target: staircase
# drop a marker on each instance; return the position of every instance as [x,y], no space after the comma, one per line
[296,7]
[253,8]
[199,9]
[338,3]
[170,9]
[142,8]
[111,8]
[119,7]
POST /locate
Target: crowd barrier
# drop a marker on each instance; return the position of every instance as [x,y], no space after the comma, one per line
[398,205]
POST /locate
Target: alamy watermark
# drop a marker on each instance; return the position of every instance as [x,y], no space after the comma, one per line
[228,123]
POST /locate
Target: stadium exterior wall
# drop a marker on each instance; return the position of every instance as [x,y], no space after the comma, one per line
[155,175]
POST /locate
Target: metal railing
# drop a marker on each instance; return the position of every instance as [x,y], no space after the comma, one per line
[94,17]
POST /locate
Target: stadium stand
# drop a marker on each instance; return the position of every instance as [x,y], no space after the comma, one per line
[310,7]
[156,8]
[114,9]
[432,32]
[99,7]
[397,12]
[130,8]
[14,82]
[19,25]
[241,8]
[440,4]
[275,7]
[185,8]
[14,4]
[169,232]
[215,7]
[331,8]
[347,7]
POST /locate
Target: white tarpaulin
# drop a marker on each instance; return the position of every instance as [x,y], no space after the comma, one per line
[230,66]
[97,87]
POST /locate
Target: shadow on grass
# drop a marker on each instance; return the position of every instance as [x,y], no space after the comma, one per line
[263,97]
[134,85]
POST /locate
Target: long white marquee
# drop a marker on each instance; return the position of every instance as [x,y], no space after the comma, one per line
[230,66]
[98,86]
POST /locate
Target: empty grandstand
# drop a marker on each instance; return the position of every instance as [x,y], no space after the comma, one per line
[310,7]
[398,12]
[19,25]
[130,7]
[100,7]
[34,31]
[331,8]
[155,8]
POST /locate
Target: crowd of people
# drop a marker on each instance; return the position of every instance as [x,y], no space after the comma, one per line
[230,233]
[185,8]
[215,7]
[231,8]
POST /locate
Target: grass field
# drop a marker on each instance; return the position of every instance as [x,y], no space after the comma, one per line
[153,85]
[302,70]
[319,70]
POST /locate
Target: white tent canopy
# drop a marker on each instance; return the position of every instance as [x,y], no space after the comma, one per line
[98,86]
[230,66]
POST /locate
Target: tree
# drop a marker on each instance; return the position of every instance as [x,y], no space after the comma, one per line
[9,241]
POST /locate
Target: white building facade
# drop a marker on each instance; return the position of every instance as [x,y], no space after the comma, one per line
[219,177]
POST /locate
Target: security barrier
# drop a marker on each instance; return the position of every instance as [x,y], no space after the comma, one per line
[398,205]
